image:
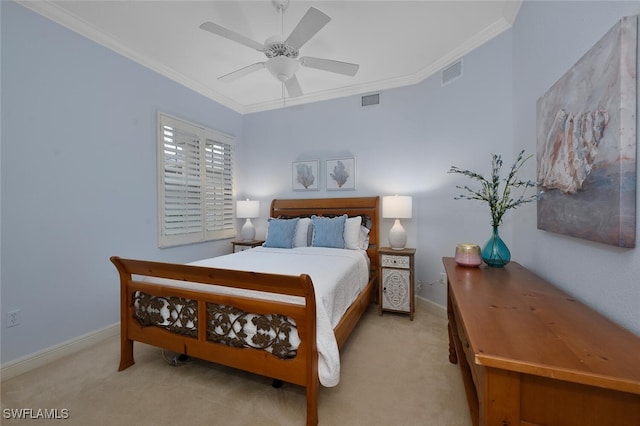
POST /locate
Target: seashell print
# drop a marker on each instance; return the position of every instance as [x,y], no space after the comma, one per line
[570,149]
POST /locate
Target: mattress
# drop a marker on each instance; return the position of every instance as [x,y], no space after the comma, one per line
[338,275]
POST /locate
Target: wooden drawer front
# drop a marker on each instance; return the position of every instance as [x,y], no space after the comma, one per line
[391,261]
[466,347]
[396,290]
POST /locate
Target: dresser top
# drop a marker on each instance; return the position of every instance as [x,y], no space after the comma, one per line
[516,321]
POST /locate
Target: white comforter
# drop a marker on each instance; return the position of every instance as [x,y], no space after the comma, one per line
[338,277]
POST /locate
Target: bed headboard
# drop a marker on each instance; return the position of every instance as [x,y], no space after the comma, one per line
[353,206]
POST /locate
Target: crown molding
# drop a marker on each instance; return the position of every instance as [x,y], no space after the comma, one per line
[52,11]
[496,28]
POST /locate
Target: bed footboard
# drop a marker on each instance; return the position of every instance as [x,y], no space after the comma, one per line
[150,279]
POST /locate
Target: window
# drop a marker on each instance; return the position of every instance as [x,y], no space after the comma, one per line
[195,183]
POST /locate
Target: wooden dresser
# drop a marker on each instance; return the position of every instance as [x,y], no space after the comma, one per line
[532,355]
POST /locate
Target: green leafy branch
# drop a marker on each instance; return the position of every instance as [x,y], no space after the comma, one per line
[499,199]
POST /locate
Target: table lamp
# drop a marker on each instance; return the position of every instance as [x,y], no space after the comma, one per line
[397,207]
[248,209]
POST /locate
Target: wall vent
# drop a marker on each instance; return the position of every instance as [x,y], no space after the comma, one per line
[369,100]
[452,72]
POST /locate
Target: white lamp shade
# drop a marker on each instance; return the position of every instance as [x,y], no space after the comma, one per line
[247,209]
[397,207]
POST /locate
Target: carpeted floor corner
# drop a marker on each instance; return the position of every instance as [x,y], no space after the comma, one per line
[394,372]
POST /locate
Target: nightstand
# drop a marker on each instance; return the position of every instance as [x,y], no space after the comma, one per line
[239,245]
[397,281]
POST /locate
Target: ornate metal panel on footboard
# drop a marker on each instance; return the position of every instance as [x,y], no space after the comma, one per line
[194,320]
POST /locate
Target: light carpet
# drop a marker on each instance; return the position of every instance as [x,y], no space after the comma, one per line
[394,372]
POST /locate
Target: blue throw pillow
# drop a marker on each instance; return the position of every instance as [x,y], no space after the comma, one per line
[328,232]
[281,233]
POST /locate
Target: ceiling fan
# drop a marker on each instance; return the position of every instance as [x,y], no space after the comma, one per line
[282,53]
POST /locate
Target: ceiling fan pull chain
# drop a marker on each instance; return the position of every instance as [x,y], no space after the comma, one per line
[284,101]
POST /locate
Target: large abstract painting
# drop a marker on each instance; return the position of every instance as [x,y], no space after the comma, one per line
[586,143]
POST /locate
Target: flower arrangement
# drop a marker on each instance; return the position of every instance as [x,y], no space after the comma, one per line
[499,198]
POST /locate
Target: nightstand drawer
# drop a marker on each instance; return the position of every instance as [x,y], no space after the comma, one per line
[240,245]
[390,261]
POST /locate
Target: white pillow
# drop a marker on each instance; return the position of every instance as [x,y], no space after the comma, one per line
[352,233]
[364,237]
[302,233]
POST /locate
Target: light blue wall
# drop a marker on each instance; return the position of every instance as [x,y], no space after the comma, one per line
[405,145]
[79,177]
[548,39]
[78,165]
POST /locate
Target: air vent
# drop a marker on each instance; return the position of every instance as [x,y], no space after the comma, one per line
[369,100]
[452,72]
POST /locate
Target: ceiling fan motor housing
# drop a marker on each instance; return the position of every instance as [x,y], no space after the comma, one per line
[276,46]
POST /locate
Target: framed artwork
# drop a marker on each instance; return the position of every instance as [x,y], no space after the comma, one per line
[305,175]
[341,174]
[586,144]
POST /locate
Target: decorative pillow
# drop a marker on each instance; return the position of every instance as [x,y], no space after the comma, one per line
[352,233]
[281,233]
[363,240]
[303,231]
[328,232]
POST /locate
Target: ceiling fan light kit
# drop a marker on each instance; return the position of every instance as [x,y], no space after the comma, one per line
[282,54]
[282,67]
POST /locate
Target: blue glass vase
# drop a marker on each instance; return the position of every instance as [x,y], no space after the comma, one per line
[495,252]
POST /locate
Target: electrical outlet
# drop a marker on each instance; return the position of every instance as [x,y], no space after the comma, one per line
[443,278]
[13,318]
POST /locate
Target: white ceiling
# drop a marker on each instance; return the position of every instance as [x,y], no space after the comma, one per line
[396,43]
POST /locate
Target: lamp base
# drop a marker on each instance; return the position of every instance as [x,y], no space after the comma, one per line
[248,232]
[397,236]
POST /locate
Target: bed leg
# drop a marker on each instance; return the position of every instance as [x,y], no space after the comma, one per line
[126,354]
[312,404]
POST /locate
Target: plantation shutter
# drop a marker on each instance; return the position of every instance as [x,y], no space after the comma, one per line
[195,185]
[219,186]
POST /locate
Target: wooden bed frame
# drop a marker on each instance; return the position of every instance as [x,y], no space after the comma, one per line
[301,370]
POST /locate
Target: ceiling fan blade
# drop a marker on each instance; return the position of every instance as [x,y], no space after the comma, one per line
[232,76]
[338,67]
[293,87]
[232,35]
[312,22]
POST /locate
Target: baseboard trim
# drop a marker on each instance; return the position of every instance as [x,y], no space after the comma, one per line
[30,362]
[432,307]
